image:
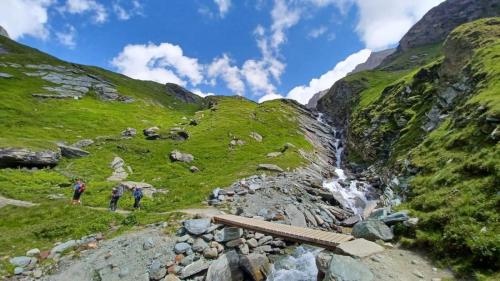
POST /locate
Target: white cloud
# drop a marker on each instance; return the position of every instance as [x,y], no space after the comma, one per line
[283,18]
[67,37]
[223,6]
[383,22]
[257,76]
[126,12]
[269,97]
[303,93]
[25,17]
[317,32]
[202,94]
[161,63]
[86,6]
[221,67]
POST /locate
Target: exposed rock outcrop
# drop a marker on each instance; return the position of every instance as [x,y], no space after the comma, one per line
[4,32]
[23,157]
[182,94]
[374,60]
[313,102]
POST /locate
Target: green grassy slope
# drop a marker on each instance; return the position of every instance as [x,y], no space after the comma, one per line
[38,123]
[454,170]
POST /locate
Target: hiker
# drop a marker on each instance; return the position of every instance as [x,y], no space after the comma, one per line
[137,197]
[115,195]
[78,188]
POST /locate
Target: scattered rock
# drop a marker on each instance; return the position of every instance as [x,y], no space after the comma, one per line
[256,265]
[148,244]
[394,218]
[274,154]
[256,136]
[227,234]
[63,247]
[347,268]
[226,267]
[295,216]
[197,226]
[181,248]
[5,75]
[156,270]
[210,253]
[194,268]
[181,157]
[71,151]
[22,261]
[18,270]
[171,277]
[372,230]
[119,173]
[151,133]
[359,248]
[33,252]
[194,169]
[199,245]
[83,143]
[129,132]
[270,167]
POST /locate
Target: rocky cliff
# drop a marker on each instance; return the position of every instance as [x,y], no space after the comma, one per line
[3,32]
[313,102]
[374,60]
[442,19]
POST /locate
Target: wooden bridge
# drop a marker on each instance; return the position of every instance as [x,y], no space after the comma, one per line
[324,239]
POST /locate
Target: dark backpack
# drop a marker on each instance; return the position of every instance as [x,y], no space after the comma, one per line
[138,193]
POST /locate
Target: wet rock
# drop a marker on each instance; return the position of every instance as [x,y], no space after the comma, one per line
[71,151]
[129,132]
[359,248]
[226,267]
[270,167]
[194,268]
[351,221]
[347,268]
[256,265]
[22,157]
[197,226]
[228,233]
[181,157]
[394,218]
[181,248]
[372,230]
[323,261]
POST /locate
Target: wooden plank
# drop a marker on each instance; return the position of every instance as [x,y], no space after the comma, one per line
[288,232]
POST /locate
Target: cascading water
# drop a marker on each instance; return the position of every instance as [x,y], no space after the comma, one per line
[301,265]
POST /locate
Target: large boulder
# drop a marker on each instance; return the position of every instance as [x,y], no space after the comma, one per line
[295,216]
[226,268]
[344,268]
[372,230]
[256,265]
[197,226]
[359,248]
[22,157]
[69,151]
[176,155]
[64,247]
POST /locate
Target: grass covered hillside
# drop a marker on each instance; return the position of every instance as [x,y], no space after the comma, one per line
[435,124]
[220,135]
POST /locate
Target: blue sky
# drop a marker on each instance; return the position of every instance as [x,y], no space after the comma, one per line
[259,49]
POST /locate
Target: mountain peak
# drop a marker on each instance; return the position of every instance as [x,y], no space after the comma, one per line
[4,32]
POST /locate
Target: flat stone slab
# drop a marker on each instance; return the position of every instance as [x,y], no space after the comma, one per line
[360,248]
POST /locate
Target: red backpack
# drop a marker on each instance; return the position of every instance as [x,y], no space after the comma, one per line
[82,188]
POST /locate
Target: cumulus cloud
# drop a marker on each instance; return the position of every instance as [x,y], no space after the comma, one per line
[269,97]
[223,6]
[304,93]
[221,67]
[202,94]
[383,22]
[25,17]
[125,11]
[99,12]
[67,38]
[161,63]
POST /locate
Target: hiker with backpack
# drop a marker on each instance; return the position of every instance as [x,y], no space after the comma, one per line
[137,197]
[115,196]
[78,189]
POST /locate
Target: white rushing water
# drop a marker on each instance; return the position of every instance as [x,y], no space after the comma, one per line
[300,266]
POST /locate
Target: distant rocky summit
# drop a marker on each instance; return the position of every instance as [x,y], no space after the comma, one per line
[314,99]
[182,93]
[3,32]
[442,19]
[374,60]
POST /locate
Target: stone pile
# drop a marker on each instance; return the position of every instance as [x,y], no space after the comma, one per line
[207,251]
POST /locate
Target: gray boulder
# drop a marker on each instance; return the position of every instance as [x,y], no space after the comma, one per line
[63,247]
[343,268]
[256,136]
[194,268]
[226,268]
[400,216]
[129,132]
[22,261]
[181,157]
[256,265]
[156,270]
[199,245]
[71,151]
[181,248]
[22,157]
[5,75]
[197,226]
[270,167]
[83,143]
[228,233]
[295,216]
[372,230]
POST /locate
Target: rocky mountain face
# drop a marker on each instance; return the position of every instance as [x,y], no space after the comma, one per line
[182,94]
[442,19]
[374,60]
[313,102]
[3,32]
[428,118]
